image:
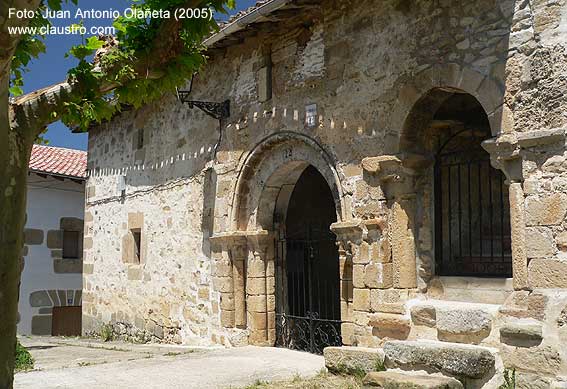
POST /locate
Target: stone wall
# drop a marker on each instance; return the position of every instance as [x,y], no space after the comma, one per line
[377,75]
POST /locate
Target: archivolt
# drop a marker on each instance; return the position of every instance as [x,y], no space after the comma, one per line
[273,164]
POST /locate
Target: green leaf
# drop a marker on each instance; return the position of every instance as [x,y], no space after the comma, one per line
[93,43]
[16,91]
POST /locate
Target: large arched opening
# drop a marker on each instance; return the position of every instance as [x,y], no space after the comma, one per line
[286,280]
[463,209]
[308,315]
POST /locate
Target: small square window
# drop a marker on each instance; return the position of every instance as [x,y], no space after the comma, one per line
[137,237]
[71,244]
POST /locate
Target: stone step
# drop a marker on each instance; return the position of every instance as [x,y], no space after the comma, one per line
[353,360]
[467,323]
[397,380]
[454,359]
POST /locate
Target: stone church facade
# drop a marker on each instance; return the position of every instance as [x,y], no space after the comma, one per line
[392,175]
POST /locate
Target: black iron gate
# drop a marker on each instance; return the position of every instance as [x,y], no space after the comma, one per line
[472,214]
[309,319]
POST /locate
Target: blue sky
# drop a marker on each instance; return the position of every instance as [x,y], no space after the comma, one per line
[52,66]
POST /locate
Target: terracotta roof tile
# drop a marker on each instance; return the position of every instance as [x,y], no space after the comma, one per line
[58,161]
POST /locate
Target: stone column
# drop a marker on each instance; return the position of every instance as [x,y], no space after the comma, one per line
[260,289]
[229,254]
[349,240]
[506,154]
[396,175]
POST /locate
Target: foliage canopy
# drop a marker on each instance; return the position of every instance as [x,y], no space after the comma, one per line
[147,58]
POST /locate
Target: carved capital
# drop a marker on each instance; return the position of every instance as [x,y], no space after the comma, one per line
[349,233]
[506,150]
[396,172]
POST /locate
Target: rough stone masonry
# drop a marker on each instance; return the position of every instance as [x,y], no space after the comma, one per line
[182,214]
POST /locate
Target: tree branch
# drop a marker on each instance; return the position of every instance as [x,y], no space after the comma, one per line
[35,110]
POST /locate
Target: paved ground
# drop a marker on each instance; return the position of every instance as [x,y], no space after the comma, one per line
[79,363]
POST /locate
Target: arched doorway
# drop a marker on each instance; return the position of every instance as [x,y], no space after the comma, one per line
[472,214]
[308,285]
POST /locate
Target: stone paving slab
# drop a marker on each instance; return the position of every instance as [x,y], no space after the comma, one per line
[74,363]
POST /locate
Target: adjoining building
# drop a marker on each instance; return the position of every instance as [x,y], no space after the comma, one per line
[51,282]
[390,175]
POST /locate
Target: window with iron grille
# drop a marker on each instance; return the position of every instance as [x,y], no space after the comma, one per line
[472,214]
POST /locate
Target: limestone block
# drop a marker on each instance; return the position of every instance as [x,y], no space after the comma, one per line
[258,320]
[64,265]
[379,275]
[398,308]
[450,358]
[561,241]
[542,360]
[363,256]
[547,273]
[71,224]
[547,210]
[388,325]
[203,293]
[223,284]
[257,303]
[33,236]
[540,242]
[358,276]
[40,298]
[256,268]
[222,269]
[424,315]
[382,252]
[396,380]
[227,318]
[403,247]
[361,299]
[41,325]
[463,324]
[347,333]
[531,381]
[339,359]
[521,334]
[227,301]
[135,220]
[55,239]
[88,268]
[135,273]
[87,243]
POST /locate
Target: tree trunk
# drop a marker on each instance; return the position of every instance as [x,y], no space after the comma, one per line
[14,159]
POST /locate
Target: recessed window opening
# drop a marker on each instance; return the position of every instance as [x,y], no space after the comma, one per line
[472,214]
[71,244]
[137,237]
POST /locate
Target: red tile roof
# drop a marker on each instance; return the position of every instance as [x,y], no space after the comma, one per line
[58,161]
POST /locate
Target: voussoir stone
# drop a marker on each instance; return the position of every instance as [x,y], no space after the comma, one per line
[395,380]
[339,359]
[451,358]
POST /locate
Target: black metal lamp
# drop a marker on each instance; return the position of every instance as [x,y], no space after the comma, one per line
[216,110]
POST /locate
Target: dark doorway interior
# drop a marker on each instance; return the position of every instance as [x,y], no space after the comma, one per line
[310,319]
